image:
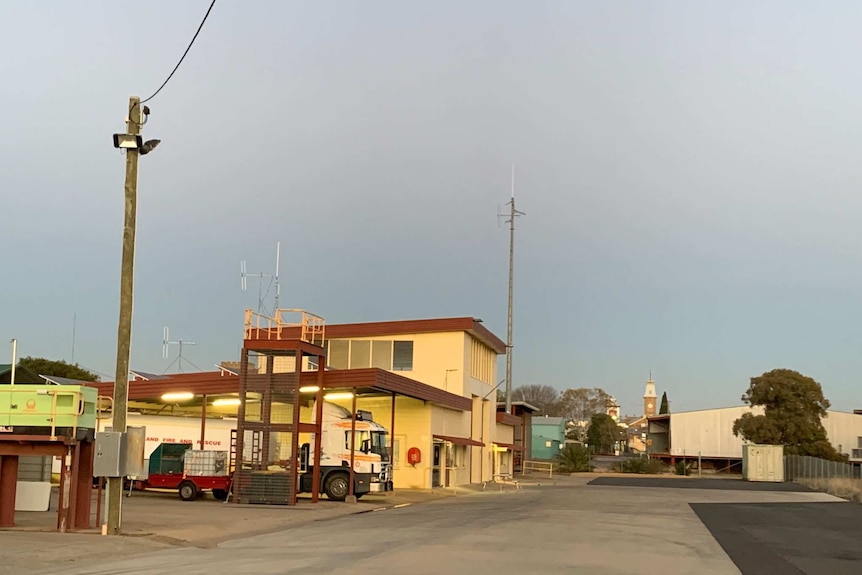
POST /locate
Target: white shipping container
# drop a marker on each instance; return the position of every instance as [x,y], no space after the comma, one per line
[763,463]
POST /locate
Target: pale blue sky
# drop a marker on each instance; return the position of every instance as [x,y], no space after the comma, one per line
[689,171]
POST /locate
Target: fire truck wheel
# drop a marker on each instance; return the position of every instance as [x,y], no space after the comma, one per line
[337,486]
[188,491]
[220,494]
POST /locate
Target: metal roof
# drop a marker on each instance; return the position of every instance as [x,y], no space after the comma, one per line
[63,380]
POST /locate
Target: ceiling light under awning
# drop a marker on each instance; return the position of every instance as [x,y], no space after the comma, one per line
[178,396]
[227,402]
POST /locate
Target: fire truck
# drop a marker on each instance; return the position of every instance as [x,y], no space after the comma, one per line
[372,460]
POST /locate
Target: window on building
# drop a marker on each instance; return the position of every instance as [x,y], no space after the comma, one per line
[402,356]
[381,354]
[482,361]
[859,439]
[339,354]
[360,354]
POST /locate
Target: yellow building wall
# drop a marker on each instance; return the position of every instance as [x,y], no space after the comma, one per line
[454,423]
[504,433]
[454,362]
[412,429]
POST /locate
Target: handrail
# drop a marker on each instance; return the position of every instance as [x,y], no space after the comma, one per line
[311,327]
[541,466]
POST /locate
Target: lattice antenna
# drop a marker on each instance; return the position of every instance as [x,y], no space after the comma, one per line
[166,343]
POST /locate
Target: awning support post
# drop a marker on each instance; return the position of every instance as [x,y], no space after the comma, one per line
[318,434]
[351,492]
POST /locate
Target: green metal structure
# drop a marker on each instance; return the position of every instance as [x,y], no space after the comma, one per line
[37,409]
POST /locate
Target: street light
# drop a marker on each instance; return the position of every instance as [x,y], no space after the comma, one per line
[130,141]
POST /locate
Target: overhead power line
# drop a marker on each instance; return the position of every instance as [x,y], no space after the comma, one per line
[189,47]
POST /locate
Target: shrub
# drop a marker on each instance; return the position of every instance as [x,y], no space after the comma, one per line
[683,468]
[574,458]
[642,465]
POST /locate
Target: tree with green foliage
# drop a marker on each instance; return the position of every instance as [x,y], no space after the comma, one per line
[665,407]
[793,408]
[603,433]
[61,368]
[574,458]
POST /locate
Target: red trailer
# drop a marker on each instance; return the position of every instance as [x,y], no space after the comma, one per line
[191,472]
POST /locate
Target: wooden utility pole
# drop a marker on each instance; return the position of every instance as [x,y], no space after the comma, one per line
[124,330]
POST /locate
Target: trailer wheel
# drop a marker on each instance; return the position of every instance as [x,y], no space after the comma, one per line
[188,491]
[337,486]
[220,494]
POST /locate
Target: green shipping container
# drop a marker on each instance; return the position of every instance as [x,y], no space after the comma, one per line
[62,407]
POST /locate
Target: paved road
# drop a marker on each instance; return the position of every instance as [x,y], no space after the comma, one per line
[788,538]
[549,529]
[567,526]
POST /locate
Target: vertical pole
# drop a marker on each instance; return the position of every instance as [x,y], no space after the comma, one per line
[124,328]
[513,213]
[84,486]
[73,483]
[352,446]
[65,488]
[239,445]
[266,409]
[8,485]
[204,422]
[318,433]
[392,444]
[294,436]
[511,281]
[14,360]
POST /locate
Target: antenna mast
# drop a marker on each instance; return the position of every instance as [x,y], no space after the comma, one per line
[179,359]
[277,287]
[513,213]
[74,329]
[273,279]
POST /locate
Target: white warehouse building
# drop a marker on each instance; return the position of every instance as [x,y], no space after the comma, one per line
[708,434]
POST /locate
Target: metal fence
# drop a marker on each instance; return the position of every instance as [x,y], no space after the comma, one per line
[834,477]
[538,467]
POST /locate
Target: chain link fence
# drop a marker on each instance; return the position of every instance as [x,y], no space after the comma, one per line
[834,477]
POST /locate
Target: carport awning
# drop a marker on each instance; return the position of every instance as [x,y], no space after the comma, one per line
[512,446]
[460,440]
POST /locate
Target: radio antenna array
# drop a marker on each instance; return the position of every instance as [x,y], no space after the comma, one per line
[166,343]
[272,283]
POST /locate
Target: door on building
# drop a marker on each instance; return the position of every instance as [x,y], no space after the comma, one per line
[437,459]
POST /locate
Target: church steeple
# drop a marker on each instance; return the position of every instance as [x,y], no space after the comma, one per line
[650,407]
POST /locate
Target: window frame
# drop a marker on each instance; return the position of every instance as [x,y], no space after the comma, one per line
[402,365]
